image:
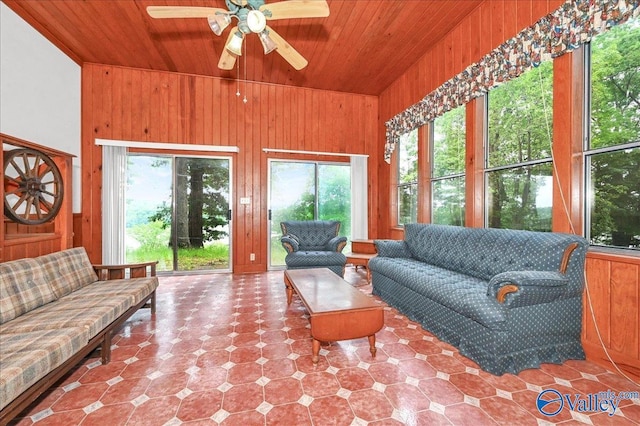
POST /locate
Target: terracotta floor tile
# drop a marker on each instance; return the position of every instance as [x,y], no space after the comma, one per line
[167,384]
[246,418]
[472,385]
[505,411]
[387,374]
[200,405]
[156,411]
[65,418]
[226,349]
[446,364]
[242,398]
[536,377]
[417,368]
[441,391]
[277,368]
[465,414]
[320,384]
[246,339]
[244,373]
[245,354]
[104,373]
[370,405]
[125,391]
[276,350]
[117,414]
[354,379]
[80,397]
[283,391]
[288,414]
[406,397]
[331,410]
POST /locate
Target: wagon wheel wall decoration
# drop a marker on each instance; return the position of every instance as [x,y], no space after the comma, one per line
[32,187]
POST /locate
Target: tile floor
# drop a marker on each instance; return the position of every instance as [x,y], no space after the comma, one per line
[226,349]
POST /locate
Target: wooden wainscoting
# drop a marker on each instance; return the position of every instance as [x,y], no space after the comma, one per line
[613,298]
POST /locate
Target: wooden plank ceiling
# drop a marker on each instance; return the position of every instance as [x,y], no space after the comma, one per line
[362,47]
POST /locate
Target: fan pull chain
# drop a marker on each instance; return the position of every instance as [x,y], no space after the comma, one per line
[245,73]
[238,78]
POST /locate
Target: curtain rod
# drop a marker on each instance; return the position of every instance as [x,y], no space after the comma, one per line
[333,154]
[172,146]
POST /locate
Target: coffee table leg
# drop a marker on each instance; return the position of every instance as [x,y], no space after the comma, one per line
[289,289]
[372,345]
[315,351]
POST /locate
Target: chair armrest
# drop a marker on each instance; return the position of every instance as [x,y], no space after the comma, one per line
[132,270]
[290,243]
[337,244]
[526,288]
[392,248]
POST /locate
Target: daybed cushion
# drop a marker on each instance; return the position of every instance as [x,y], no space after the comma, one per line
[56,315]
[24,288]
[22,366]
[68,270]
[135,288]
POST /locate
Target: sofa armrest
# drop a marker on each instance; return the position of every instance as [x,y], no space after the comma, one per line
[392,248]
[337,244]
[525,288]
[132,270]
[290,243]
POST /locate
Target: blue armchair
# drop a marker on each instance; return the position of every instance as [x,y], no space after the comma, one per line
[313,244]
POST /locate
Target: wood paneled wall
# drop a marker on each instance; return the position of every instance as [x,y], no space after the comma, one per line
[613,279]
[142,105]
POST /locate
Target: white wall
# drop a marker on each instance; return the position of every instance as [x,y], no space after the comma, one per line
[39,91]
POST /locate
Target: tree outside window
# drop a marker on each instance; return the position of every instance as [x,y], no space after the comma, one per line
[518,176]
[448,167]
[408,178]
[613,150]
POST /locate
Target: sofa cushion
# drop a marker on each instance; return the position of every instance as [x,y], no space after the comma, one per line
[24,287]
[68,270]
[461,293]
[312,234]
[94,315]
[302,259]
[136,289]
[392,248]
[22,366]
[486,252]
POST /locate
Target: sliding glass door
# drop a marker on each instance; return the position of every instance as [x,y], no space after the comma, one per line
[306,191]
[177,212]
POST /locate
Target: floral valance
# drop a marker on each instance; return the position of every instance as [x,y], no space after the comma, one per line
[563,30]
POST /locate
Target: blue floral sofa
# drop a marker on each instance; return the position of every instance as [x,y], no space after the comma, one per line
[509,300]
[314,244]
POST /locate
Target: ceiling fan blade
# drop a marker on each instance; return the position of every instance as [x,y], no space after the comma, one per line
[182,12]
[227,58]
[296,9]
[285,50]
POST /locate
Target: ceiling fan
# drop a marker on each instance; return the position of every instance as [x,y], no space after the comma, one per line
[252,16]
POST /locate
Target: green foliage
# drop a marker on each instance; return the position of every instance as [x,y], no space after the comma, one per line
[520,129]
[151,235]
[615,120]
[212,256]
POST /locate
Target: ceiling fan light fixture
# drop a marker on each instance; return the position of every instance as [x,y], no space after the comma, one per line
[235,44]
[256,21]
[267,43]
[218,23]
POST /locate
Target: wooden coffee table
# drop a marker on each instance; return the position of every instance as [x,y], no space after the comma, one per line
[338,311]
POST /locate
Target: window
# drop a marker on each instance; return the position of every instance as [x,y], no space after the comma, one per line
[518,173]
[448,167]
[612,153]
[408,178]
